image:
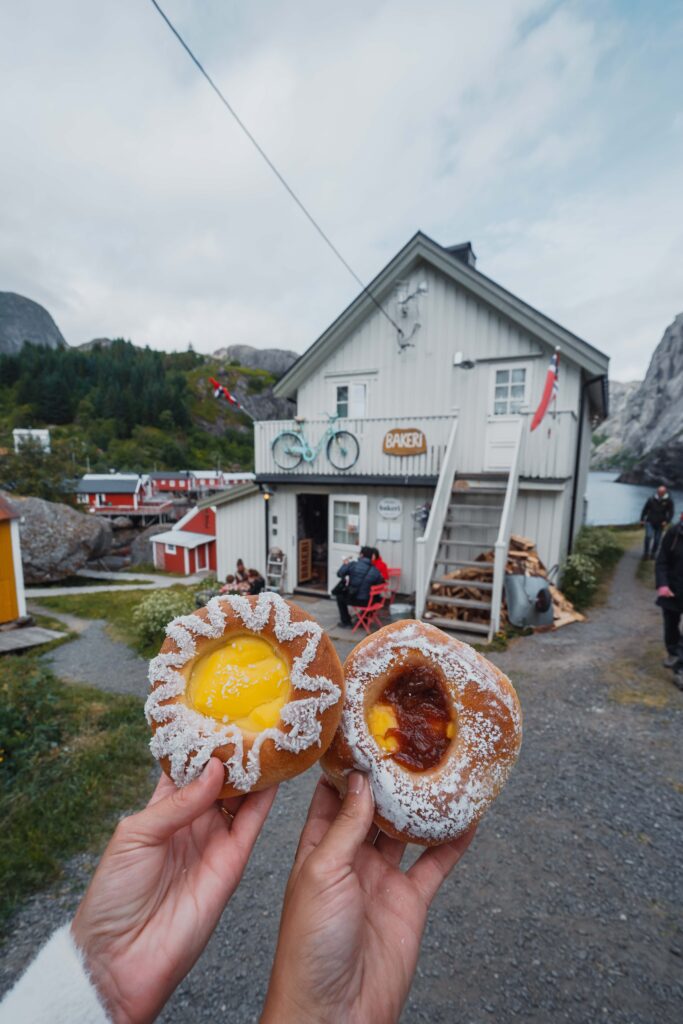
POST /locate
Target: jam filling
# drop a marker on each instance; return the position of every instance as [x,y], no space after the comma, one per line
[423,727]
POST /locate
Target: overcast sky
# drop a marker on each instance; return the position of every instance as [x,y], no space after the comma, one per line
[550,134]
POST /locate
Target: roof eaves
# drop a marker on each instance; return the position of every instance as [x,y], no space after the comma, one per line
[421,246]
[232,494]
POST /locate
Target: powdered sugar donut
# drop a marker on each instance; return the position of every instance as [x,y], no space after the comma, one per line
[253,681]
[435,725]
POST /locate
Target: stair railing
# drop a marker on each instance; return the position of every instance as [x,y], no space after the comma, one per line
[505,528]
[427,546]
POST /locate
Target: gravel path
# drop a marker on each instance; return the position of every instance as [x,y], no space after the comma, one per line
[568,906]
[94,658]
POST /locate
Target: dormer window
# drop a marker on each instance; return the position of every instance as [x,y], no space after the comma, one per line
[351,400]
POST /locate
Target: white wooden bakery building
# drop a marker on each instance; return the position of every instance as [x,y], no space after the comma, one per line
[441,413]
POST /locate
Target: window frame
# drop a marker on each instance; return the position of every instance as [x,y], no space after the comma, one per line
[510,365]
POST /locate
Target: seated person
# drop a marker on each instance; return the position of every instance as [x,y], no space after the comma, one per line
[230,586]
[256,581]
[361,575]
[380,564]
[240,571]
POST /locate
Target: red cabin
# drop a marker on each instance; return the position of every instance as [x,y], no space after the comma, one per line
[190,546]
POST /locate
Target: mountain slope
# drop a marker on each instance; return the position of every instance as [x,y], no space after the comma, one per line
[21,320]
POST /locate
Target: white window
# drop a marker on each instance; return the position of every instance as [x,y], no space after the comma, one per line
[346,522]
[510,391]
[351,400]
[170,549]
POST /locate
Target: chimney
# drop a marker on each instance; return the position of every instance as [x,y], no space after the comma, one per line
[463,252]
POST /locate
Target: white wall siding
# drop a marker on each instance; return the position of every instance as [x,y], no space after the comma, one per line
[538,516]
[240,533]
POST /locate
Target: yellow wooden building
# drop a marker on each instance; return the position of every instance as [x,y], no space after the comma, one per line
[12,599]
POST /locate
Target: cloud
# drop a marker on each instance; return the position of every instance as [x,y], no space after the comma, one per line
[133,205]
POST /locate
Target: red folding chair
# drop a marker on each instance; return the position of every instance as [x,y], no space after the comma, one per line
[370,614]
[392,584]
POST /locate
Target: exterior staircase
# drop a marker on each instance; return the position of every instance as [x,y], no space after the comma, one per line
[471,526]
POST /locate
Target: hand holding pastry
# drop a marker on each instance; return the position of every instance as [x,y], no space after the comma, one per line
[352,921]
[160,889]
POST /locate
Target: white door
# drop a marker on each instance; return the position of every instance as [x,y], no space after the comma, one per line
[508,396]
[347,524]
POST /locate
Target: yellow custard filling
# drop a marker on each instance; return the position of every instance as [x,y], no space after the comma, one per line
[382,718]
[244,683]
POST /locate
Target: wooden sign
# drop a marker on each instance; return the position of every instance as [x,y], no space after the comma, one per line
[404,441]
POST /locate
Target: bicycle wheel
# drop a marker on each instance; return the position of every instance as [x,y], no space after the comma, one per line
[286,449]
[343,450]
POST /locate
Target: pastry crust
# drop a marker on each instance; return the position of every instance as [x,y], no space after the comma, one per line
[184,739]
[437,805]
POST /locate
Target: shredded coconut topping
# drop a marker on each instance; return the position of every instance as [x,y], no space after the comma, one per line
[188,738]
[438,805]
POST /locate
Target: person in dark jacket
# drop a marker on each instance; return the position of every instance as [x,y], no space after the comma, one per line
[658,511]
[669,581]
[361,575]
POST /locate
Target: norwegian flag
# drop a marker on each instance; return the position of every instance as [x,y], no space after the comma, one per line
[220,391]
[550,389]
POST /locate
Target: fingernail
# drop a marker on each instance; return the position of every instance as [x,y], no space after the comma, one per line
[356,783]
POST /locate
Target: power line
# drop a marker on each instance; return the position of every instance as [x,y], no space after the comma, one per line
[276,172]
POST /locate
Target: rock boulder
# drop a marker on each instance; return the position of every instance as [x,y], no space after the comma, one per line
[56,540]
[141,548]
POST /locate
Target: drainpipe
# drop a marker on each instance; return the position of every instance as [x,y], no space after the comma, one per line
[577,459]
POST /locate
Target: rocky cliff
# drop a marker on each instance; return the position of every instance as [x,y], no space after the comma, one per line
[644,433]
[608,439]
[21,320]
[275,360]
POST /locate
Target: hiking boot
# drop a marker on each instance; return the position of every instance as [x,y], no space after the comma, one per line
[670,661]
[678,679]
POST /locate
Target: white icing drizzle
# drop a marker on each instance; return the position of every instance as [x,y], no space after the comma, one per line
[188,738]
[438,805]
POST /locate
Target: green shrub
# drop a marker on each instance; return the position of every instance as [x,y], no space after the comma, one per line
[599,544]
[155,611]
[580,579]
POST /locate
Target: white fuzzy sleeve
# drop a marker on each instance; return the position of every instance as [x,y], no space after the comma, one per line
[54,989]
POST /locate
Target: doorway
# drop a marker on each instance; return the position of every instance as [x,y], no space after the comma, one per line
[312,541]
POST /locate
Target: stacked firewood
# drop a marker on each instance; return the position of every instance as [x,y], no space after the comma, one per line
[522,559]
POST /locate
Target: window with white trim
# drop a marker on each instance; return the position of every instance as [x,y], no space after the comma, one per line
[351,400]
[170,549]
[510,389]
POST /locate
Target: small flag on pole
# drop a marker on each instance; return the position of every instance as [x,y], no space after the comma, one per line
[550,389]
[220,391]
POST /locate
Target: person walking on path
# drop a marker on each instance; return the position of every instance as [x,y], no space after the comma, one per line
[658,511]
[360,576]
[669,582]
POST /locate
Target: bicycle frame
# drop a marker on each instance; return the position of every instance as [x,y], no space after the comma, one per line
[308,452]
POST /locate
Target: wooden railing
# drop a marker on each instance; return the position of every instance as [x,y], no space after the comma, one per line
[372,461]
[427,546]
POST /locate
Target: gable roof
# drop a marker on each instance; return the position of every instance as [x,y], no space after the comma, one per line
[422,248]
[108,485]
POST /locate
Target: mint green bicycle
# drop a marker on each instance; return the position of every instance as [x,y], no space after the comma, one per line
[290,448]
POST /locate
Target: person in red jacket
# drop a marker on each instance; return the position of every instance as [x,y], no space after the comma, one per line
[380,564]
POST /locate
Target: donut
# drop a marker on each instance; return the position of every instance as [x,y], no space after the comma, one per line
[253,681]
[436,727]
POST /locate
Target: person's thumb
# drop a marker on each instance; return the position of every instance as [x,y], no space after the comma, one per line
[161,820]
[351,825]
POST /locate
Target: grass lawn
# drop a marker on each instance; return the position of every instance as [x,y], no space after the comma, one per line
[72,758]
[116,609]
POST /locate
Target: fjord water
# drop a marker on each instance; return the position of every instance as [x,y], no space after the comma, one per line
[613,504]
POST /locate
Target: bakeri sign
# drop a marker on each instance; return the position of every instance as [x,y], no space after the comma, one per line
[404,441]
